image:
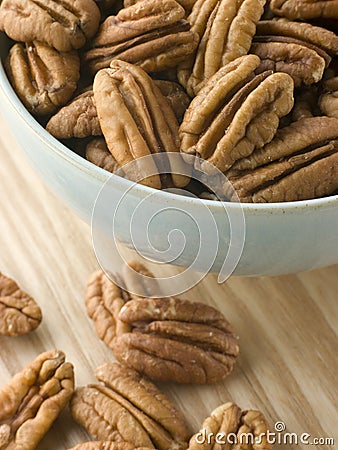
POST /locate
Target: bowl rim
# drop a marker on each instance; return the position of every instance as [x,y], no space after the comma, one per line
[102,175]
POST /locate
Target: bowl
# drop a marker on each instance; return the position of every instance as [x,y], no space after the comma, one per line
[258,239]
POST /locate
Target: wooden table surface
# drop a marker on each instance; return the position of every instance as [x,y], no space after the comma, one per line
[288,345]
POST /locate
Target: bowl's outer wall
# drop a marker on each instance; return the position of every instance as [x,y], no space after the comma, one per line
[278,240]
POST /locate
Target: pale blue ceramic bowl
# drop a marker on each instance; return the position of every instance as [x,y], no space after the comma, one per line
[280,238]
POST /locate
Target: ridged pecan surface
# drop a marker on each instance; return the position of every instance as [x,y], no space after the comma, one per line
[234,428]
[151,34]
[98,153]
[33,399]
[43,78]
[62,24]
[305,9]
[77,119]
[107,445]
[128,407]
[235,113]
[177,340]
[146,124]
[19,313]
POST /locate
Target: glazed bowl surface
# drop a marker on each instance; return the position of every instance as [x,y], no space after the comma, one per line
[278,238]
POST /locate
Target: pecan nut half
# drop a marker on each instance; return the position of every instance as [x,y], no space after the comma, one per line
[77,119]
[304,164]
[235,113]
[225,29]
[43,78]
[33,399]
[146,124]
[127,407]
[19,313]
[62,24]
[304,62]
[104,299]
[151,34]
[171,339]
[236,428]
[305,9]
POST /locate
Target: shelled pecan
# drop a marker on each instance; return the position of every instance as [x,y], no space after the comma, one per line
[299,49]
[300,163]
[146,124]
[175,339]
[62,24]
[104,299]
[304,62]
[306,101]
[236,113]
[19,313]
[305,9]
[151,34]
[127,407]
[33,399]
[77,119]
[225,29]
[232,427]
[43,78]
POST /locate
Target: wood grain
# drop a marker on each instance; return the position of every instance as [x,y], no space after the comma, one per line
[287,325]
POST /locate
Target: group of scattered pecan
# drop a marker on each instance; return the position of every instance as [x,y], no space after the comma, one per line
[249,86]
[154,338]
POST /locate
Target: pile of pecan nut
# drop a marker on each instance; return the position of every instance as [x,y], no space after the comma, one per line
[249,86]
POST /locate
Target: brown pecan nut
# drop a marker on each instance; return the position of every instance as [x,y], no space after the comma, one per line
[107,445]
[43,78]
[33,399]
[77,119]
[151,34]
[146,124]
[128,407]
[233,428]
[104,299]
[177,340]
[19,313]
[307,175]
[62,24]
[97,152]
[235,113]
[176,96]
[307,133]
[304,62]
[328,101]
[305,9]
[225,29]
[317,36]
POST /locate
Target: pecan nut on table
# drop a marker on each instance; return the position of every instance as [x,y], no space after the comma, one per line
[128,407]
[167,339]
[19,313]
[33,399]
[212,78]
[233,427]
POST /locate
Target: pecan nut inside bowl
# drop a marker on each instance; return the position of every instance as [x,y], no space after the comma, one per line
[280,237]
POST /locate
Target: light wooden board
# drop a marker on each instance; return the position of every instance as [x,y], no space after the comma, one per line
[288,360]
